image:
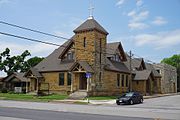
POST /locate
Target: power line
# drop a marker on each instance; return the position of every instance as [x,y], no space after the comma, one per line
[37,31]
[29,39]
[48,43]
[48,34]
[32,30]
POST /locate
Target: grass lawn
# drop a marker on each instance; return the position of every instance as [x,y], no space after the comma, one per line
[26,97]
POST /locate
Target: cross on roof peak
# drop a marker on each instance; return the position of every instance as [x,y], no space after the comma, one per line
[91,8]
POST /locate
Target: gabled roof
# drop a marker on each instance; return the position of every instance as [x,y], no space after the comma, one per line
[84,65]
[135,62]
[142,75]
[116,66]
[66,48]
[53,63]
[115,48]
[90,24]
[150,67]
[34,72]
[19,76]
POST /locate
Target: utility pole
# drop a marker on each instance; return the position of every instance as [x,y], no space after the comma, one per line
[130,66]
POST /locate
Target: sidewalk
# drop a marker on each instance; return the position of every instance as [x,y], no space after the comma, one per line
[109,102]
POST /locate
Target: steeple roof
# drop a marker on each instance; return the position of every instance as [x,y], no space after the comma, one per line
[90,24]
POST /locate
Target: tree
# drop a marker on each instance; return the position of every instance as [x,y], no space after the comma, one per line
[31,63]
[34,61]
[12,64]
[174,61]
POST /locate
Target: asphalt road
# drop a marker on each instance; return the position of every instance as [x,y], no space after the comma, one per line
[157,108]
[29,114]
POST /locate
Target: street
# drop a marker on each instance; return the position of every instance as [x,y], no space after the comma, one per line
[25,114]
[157,108]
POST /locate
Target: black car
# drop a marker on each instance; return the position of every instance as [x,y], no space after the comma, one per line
[130,98]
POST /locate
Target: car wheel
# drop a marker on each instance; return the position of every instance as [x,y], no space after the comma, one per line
[131,102]
[141,100]
[117,102]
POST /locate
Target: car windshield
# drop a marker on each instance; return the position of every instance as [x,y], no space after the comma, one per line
[128,95]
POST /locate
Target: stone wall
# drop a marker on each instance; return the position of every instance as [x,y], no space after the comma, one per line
[110,85]
[169,77]
[139,86]
[53,79]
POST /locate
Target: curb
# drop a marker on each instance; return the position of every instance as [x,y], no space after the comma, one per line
[106,102]
[160,95]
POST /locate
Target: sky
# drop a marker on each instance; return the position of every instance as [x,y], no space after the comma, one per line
[149,28]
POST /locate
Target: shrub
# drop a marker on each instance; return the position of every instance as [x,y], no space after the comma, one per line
[11,92]
[4,90]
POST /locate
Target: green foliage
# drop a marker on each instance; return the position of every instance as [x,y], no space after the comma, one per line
[31,63]
[34,61]
[4,90]
[12,64]
[174,61]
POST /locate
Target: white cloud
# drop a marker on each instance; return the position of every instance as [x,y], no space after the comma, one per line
[137,19]
[138,16]
[139,3]
[159,40]
[131,13]
[120,2]
[137,25]
[159,21]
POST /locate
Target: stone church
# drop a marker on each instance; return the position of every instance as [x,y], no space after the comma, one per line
[87,63]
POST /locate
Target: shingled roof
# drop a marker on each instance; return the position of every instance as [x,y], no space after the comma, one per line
[135,62]
[19,76]
[53,63]
[142,75]
[150,67]
[116,66]
[90,24]
[84,65]
[112,49]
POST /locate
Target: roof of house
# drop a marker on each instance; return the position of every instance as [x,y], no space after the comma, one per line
[112,49]
[142,75]
[90,24]
[19,76]
[116,66]
[33,71]
[53,63]
[135,62]
[150,67]
[84,65]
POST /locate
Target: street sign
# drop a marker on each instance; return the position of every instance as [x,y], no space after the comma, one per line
[88,75]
